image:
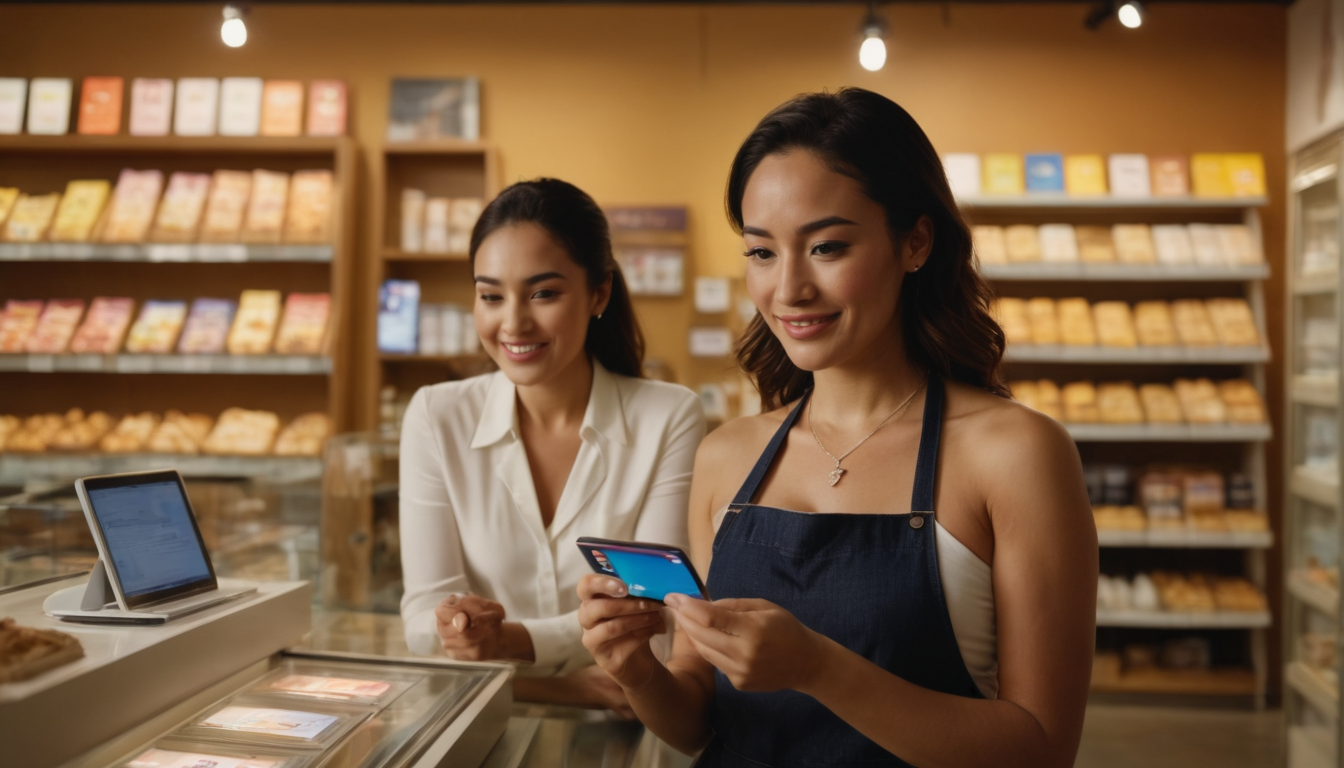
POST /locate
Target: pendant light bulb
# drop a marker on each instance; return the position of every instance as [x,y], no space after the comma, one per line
[233,31]
[873,50]
[1130,14]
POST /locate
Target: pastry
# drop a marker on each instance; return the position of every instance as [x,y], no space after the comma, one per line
[1095,244]
[240,431]
[1044,321]
[1075,322]
[1233,322]
[990,245]
[1023,244]
[130,434]
[304,436]
[1080,403]
[25,651]
[1193,324]
[1134,244]
[1153,325]
[1200,401]
[1242,402]
[1115,324]
[1011,312]
[1058,243]
[1118,403]
[1160,404]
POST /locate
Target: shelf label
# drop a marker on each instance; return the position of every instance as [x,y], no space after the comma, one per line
[41,363]
[135,364]
[168,252]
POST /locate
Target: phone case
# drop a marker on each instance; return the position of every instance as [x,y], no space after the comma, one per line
[592,546]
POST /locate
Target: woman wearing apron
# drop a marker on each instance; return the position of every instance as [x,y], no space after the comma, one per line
[907,575]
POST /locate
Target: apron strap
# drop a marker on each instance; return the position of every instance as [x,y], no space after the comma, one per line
[748,490]
[926,464]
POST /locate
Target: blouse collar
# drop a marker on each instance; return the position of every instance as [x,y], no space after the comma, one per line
[604,415]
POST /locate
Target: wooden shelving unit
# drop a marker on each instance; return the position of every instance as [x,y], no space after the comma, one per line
[1227,447]
[447,168]
[209,384]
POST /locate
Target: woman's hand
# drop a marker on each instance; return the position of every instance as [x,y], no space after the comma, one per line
[616,630]
[755,643]
[471,628]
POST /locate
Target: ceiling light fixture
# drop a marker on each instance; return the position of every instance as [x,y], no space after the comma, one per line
[1131,14]
[233,31]
[873,51]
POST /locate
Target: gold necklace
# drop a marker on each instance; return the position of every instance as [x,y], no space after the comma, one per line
[838,473]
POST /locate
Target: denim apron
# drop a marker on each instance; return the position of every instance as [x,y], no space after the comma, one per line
[867,581]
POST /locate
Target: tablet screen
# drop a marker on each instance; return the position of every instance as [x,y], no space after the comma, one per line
[151,537]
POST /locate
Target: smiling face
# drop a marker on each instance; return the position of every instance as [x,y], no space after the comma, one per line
[822,268]
[533,304]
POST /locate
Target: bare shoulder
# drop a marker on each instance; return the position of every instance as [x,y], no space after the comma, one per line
[727,454]
[1000,438]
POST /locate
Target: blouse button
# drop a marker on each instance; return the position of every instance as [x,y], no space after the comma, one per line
[916,521]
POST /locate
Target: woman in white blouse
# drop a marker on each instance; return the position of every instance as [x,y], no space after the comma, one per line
[502,472]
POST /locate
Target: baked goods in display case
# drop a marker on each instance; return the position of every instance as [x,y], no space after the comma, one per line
[1225,322]
[1183,592]
[1188,401]
[26,652]
[55,326]
[236,432]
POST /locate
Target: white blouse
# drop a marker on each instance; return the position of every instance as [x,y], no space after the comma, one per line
[470,521]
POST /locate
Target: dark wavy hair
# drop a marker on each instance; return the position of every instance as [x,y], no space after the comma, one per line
[579,226]
[944,306]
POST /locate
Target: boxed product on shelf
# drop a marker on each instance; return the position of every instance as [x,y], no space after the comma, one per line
[151,106]
[17,323]
[242,431]
[180,212]
[1115,324]
[1194,327]
[1160,404]
[963,173]
[131,210]
[1170,175]
[461,219]
[207,327]
[1129,175]
[156,329]
[255,323]
[1022,243]
[13,96]
[196,110]
[8,196]
[79,209]
[1133,244]
[1233,322]
[326,108]
[226,206]
[1200,401]
[398,316]
[303,326]
[1095,244]
[282,108]
[412,220]
[1044,172]
[1042,315]
[309,214]
[1058,243]
[436,225]
[990,245]
[31,217]
[1004,174]
[49,101]
[1075,323]
[104,326]
[1172,244]
[1080,402]
[240,106]
[1085,175]
[100,106]
[1118,403]
[56,326]
[1154,325]
[265,219]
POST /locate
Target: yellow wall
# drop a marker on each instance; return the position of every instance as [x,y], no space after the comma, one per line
[648,104]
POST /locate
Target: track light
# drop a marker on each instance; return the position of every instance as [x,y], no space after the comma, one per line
[233,31]
[873,51]
[1131,14]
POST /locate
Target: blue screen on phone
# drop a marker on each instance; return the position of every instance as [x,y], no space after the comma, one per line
[647,573]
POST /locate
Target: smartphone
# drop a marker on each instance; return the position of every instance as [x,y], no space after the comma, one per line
[650,571]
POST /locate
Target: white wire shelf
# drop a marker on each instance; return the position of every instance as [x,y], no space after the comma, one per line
[1186,539]
[164,252]
[16,468]
[1318,596]
[1321,390]
[1170,433]
[1311,685]
[1060,200]
[1080,271]
[1066,353]
[1183,619]
[1319,486]
[271,365]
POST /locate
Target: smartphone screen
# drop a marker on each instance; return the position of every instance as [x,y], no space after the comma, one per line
[649,572]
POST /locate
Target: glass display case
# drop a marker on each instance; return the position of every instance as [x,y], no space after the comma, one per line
[1313,503]
[361,554]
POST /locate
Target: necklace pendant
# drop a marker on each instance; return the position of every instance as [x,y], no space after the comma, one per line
[836,474]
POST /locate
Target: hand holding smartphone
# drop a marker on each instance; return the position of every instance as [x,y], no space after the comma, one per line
[650,571]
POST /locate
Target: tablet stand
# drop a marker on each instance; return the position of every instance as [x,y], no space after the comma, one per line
[98,592]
